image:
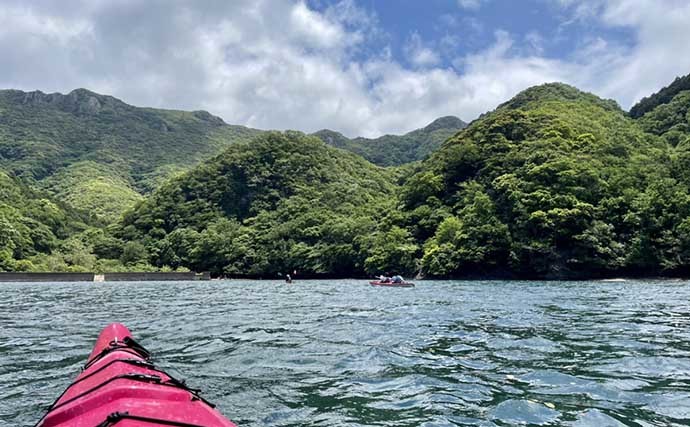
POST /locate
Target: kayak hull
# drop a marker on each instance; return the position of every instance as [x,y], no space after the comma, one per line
[392,285]
[119,386]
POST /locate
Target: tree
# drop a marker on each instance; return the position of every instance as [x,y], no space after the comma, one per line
[134,253]
[473,241]
[392,251]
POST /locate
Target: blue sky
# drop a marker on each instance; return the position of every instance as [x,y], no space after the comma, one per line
[361,67]
[452,29]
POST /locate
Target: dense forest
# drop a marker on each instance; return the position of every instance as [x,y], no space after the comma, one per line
[281,202]
[99,154]
[554,183]
[33,226]
[396,150]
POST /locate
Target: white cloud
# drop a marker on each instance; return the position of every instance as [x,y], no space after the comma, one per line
[496,74]
[535,42]
[471,4]
[279,64]
[313,30]
[627,73]
[662,52]
[419,54]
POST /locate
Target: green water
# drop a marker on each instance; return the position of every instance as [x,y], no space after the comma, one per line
[347,354]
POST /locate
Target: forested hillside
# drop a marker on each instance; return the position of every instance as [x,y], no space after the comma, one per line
[664,96]
[282,202]
[671,120]
[553,183]
[95,152]
[32,225]
[395,150]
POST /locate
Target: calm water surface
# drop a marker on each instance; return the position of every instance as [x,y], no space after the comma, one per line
[347,354]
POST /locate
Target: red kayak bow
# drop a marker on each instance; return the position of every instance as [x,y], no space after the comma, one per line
[119,386]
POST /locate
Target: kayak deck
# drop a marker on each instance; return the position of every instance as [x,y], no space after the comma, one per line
[119,386]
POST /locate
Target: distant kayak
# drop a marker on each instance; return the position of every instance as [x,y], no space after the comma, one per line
[391,284]
[119,386]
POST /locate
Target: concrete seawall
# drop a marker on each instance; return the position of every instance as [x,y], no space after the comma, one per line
[46,277]
[154,276]
[105,277]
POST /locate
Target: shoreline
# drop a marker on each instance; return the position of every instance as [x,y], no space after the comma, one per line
[136,276]
[133,276]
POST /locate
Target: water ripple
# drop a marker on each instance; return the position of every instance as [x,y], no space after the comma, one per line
[346,354]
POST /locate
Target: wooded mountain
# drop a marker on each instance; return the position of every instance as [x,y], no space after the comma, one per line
[664,96]
[281,202]
[97,153]
[670,118]
[32,225]
[395,150]
[554,183]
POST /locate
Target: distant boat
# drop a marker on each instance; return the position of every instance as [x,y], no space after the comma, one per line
[391,284]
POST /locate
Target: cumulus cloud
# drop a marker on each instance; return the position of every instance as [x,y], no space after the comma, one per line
[268,64]
[419,54]
[279,64]
[661,52]
[627,73]
[471,4]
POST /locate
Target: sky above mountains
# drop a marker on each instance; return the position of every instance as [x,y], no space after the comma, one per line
[361,67]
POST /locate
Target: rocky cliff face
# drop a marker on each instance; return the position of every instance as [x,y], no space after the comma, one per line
[208,117]
[83,102]
[79,101]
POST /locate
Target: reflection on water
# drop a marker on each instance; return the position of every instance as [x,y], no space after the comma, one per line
[328,354]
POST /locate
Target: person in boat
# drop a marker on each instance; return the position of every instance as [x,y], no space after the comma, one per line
[397,279]
[288,278]
[384,279]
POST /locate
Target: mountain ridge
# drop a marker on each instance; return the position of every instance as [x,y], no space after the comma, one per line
[553,183]
[49,137]
[662,96]
[396,150]
[45,136]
